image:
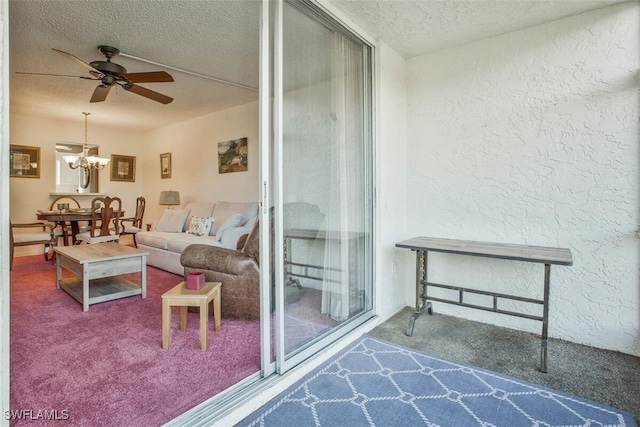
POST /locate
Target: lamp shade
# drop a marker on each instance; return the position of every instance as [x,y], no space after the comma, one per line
[169,198]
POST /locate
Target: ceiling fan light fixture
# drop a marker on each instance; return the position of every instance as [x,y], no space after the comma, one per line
[111,74]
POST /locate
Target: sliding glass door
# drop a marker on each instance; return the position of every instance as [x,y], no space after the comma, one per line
[322,219]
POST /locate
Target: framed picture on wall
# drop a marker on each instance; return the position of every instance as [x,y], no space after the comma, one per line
[24,161]
[232,156]
[165,165]
[123,168]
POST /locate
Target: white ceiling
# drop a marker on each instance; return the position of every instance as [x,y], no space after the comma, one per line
[416,27]
[214,38]
[217,38]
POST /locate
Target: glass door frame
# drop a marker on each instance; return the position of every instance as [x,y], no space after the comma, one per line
[266,127]
[271,153]
[224,406]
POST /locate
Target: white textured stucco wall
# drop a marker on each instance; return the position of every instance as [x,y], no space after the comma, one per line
[532,137]
[391,189]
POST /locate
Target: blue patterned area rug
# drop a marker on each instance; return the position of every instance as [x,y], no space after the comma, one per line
[378,383]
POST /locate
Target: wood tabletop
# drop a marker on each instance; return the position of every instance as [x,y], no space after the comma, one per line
[84,215]
[99,251]
[541,254]
[181,290]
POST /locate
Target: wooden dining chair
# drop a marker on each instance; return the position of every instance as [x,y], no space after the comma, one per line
[133,225]
[106,214]
[64,230]
[34,233]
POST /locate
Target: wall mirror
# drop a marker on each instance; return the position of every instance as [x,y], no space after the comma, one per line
[74,180]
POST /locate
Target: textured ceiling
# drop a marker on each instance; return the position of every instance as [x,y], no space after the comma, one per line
[217,38]
[416,27]
[213,38]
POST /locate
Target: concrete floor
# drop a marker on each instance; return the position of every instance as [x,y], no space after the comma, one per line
[607,377]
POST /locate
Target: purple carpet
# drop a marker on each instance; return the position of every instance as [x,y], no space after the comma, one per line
[106,367]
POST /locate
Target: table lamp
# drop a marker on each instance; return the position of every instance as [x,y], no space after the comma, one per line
[169,198]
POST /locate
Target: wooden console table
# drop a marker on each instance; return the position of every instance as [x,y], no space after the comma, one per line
[536,254]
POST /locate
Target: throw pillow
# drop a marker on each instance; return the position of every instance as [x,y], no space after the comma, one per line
[251,212]
[200,226]
[172,220]
[235,220]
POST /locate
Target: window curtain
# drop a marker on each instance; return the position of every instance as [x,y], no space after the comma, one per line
[343,283]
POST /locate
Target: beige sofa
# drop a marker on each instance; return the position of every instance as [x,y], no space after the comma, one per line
[175,231]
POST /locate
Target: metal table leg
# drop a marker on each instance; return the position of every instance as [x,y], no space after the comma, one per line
[545,319]
[422,304]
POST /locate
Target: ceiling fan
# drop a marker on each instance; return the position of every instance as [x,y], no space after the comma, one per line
[111,74]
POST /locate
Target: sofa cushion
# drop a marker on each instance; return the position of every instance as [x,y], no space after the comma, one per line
[251,212]
[172,220]
[201,209]
[179,241]
[174,242]
[223,210]
[235,220]
[229,237]
[154,239]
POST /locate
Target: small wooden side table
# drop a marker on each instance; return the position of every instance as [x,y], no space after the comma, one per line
[180,296]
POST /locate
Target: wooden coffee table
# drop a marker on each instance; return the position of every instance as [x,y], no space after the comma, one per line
[96,268]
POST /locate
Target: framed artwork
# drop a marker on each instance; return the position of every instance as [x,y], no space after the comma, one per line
[123,168]
[232,155]
[165,165]
[24,161]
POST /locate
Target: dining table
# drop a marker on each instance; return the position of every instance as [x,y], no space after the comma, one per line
[70,218]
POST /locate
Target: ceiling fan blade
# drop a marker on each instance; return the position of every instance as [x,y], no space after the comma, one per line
[150,77]
[57,75]
[80,62]
[100,94]
[148,93]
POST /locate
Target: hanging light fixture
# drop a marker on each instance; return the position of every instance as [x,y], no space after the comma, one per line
[84,160]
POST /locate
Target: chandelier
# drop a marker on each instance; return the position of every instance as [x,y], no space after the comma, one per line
[84,160]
